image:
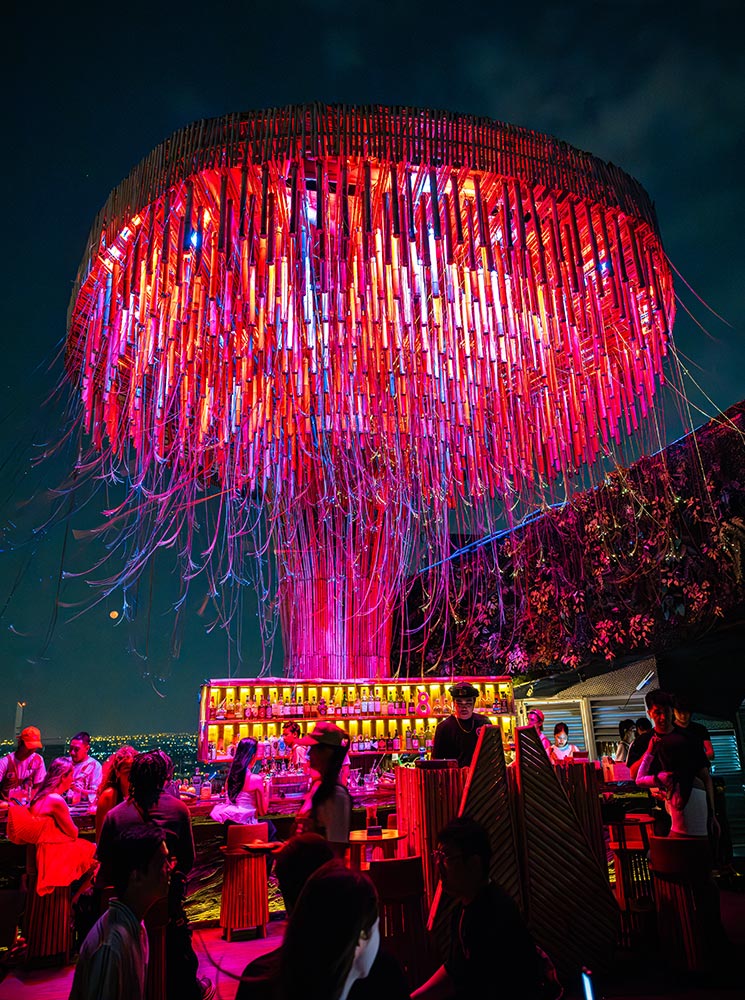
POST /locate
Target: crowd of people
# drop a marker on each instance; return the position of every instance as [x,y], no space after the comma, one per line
[144,851]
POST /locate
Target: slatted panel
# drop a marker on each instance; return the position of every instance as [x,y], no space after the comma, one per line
[426,799]
[563,874]
[726,754]
[486,799]
[607,715]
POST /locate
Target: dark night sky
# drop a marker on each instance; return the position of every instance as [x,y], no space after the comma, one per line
[656,87]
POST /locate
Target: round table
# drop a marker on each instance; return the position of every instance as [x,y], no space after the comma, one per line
[359,840]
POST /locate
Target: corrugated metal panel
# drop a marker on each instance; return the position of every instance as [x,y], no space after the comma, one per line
[605,718]
[726,755]
[567,712]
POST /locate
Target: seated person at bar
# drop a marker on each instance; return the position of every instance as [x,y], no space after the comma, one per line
[247,797]
[294,864]
[86,769]
[456,736]
[485,921]
[561,749]
[536,718]
[627,734]
[23,770]
[113,958]
[683,710]
[327,808]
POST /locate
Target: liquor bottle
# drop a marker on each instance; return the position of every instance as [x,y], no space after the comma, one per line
[381,744]
[429,742]
[363,702]
[270,708]
[307,708]
[415,741]
[408,738]
[230,708]
[437,707]
[321,706]
[220,713]
[377,703]
[212,711]
[411,709]
[396,742]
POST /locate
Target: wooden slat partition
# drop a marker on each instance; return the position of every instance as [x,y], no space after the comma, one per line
[563,875]
[427,799]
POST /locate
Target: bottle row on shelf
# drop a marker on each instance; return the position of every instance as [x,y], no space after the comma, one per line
[219,740]
[227,708]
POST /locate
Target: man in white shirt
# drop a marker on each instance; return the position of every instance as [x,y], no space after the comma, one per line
[86,769]
[23,770]
[113,957]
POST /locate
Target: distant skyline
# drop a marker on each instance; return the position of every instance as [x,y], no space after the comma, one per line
[658,90]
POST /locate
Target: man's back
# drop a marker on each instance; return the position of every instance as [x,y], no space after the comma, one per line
[113,958]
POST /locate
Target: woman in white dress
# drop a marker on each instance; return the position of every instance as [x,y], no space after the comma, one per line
[247,795]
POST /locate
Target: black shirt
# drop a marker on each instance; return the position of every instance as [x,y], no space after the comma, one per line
[697,731]
[641,744]
[492,923]
[456,740]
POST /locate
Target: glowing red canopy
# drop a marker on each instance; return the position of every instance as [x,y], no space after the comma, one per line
[353,320]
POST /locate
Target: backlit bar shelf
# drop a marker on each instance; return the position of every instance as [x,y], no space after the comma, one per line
[380,716]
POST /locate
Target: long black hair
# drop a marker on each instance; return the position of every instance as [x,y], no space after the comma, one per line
[244,754]
[330,778]
[335,908]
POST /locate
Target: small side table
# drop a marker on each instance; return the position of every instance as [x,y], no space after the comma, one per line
[359,840]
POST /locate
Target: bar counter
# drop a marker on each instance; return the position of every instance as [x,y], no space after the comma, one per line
[205,879]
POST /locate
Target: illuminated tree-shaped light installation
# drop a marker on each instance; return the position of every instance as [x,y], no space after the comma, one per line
[345,323]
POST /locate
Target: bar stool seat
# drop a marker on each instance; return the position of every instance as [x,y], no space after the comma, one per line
[48,919]
[686,900]
[245,897]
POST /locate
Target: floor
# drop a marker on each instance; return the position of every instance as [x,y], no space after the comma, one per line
[633,978]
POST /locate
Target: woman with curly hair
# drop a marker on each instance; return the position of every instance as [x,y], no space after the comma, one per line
[114,787]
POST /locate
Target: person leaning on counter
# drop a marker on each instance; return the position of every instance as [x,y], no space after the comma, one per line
[456,736]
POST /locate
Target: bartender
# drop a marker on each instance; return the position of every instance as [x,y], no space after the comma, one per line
[456,736]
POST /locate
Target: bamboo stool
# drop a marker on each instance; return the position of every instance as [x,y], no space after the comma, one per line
[48,919]
[245,899]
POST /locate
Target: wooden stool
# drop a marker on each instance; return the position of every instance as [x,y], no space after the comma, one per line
[385,844]
[245,898]
[629,842]
[685,898]
[400,886]
[48,919]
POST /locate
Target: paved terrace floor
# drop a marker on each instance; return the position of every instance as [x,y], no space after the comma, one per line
[634,977]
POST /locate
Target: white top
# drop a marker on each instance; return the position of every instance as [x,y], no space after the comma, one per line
[561,753]
[86,776]
[26,773]
[687,821]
